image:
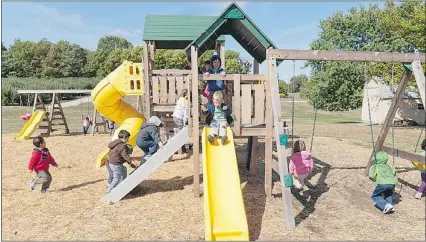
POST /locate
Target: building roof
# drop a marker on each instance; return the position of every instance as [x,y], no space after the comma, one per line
[175,31]
[388,92]
[233,21]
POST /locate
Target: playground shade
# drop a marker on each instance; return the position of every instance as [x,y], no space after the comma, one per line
[224,212]
[31,125]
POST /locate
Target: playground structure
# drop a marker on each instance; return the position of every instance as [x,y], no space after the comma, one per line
[43,117]
[256,106]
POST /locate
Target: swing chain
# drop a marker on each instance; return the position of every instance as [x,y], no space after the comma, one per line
[393,122]
[315,112]
[369,113]
[292,109]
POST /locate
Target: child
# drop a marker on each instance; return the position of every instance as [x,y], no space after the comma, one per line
[129,151]
[111,127]
[148,138]
[215,85]
[219,116]
[118,155]
[386,179]
[301,164]
[86,124]
[39,162]
[180,113]
[422,187]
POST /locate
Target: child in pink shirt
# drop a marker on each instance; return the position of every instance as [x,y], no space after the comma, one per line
[301,164]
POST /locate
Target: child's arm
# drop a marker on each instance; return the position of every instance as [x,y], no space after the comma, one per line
[372,173]
[291,167]
[52,160]
[35,157]
[204,110]
[126,156]
[222,72]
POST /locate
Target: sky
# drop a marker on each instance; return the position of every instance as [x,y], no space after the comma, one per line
[290,25]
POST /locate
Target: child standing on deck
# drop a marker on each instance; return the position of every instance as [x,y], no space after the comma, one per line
[422,187]
[215,85]
[386,179]
[218,117]
[180,113]
[301,164]
[39,162]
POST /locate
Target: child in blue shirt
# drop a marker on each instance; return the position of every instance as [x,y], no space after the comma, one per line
[215,85]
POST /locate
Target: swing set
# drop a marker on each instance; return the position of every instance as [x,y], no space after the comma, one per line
[43,116]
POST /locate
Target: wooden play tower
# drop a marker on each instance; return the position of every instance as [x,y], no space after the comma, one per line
[254,98]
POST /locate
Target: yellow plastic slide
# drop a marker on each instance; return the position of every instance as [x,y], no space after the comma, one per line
[123,81]
[31,125]
[224,212]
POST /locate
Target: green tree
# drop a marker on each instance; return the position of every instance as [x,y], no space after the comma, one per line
[20,58]
[361,29]
[283,88]
[4,65]
[109,43]
[296,82]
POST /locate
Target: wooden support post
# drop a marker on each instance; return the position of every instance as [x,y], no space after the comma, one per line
[420,79]
[269,132]
[147,81]
[195,124]
[52,107]
[35,102]
[58,102]
[254,143]
[396,100]
[222,53]
[237,108]
[281,148]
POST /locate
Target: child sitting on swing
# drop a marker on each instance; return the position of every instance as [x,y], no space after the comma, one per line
[87,122]
[301,164]
[385,178]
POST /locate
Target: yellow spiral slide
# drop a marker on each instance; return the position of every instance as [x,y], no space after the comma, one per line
[107,98]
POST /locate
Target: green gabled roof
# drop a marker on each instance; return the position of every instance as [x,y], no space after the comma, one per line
[175,31]
[235,22]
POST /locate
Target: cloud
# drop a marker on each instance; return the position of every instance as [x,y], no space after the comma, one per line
[125,32]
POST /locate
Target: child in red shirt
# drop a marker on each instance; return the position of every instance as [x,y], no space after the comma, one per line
[39,162]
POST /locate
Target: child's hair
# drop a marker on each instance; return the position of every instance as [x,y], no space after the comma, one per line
[123,134]
[218,95]
[184,93]
[423,144]
[299,146]
[214,58]
[37,141]
[207,62]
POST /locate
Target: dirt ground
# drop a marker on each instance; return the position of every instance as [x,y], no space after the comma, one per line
[338,207]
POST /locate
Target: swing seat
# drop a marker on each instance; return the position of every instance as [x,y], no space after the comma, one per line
[26,116]
[419,166]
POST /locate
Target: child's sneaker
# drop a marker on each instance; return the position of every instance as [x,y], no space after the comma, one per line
[210,139]
[418,195]
[224,139]
[32,184]
[388,208]
[45,191]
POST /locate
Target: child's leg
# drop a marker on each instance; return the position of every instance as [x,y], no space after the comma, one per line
[423,184]
[214,129]
[153,148]
[179,123]
[123,172]
[388,194]
[109,172]
[222,132]
[302,179]
[116,176]
[296,182]
[45,179]
[377,196]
